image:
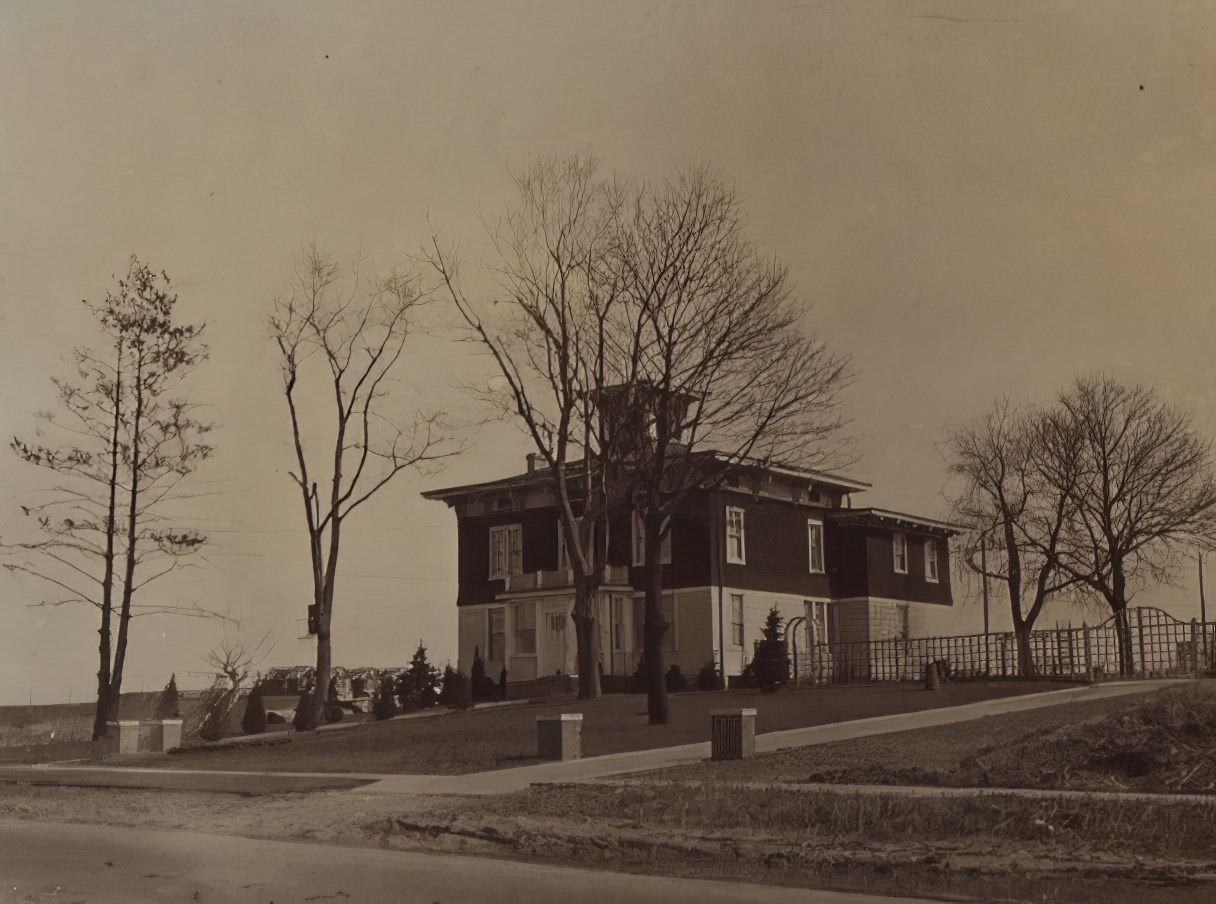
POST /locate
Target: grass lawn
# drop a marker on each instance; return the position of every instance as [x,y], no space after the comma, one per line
[1159,742]
[694,821]
[461,742]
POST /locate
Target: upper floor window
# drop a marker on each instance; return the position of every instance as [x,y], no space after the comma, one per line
[814,539]
[899,548]
[506,551]
[931,561]
[736,545]
[639,542]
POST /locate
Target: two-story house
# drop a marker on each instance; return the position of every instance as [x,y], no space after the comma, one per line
[766,536]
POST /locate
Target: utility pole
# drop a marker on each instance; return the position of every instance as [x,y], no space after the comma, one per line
[984,577]
[984,574]
[1203,615]
[1203,605]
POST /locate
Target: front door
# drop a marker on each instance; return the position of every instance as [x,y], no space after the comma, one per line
[557,629]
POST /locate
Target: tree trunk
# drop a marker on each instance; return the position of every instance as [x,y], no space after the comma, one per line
[652,650]
[102,713]
[316,709]
[1021,633]
[587,639]
[132,531]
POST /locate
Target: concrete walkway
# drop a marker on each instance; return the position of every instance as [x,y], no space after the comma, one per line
[503,781]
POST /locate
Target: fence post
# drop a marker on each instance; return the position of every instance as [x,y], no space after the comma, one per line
[1089,662]
[1195,647]
[1140,641]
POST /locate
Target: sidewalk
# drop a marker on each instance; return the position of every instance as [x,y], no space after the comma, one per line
[507,780]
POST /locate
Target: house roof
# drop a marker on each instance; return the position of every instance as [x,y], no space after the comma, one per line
[541,474]
[884,518]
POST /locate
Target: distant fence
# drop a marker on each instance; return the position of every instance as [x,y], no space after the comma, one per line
[1143,642]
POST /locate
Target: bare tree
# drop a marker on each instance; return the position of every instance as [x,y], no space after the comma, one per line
[645,345]
[1016,516]
[1144,491]
[557,290]
[106,533]
[233,663]
[711,346]
[348,328]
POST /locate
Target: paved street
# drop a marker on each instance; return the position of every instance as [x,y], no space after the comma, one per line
[100,865]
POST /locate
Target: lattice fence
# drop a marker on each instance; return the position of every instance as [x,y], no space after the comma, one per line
[1144,642]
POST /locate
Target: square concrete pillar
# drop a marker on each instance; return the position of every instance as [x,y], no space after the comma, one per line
[171,734]
[559,737]
[732,734]
[123,737]
[150,736]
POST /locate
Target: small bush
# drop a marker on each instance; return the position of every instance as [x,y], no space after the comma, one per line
[385,704]
[708,678]
[168,705]
[254,720]
[455,688]
[771,663]
[302,721]
[333,707]
[418,683]
[675,680]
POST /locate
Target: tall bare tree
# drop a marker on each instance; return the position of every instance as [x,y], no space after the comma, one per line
[1144,492]
[348,328]
[1016,517]
[713,346]
[644,343]
[106,531]
[556,288]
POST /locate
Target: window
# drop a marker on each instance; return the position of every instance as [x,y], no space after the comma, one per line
[931,561]
[736,548]
[639,542]
[899,547]
[668,603]
[498,636]
[525,628]
[814,539]
[736,619]
[506,551]
[904,630]
[618,624]
[823,622]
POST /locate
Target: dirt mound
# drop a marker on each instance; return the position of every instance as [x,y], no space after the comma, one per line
[1163,743]
[1166,744]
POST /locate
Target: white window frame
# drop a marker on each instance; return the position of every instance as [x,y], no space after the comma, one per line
[497,615]
[639,542]
[899,553]
[619,633]
[736,626]
[506,559]
[814,531]
[931,571]
[736,536]
[524,618]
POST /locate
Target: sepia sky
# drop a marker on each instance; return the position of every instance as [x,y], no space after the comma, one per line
[974,199]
